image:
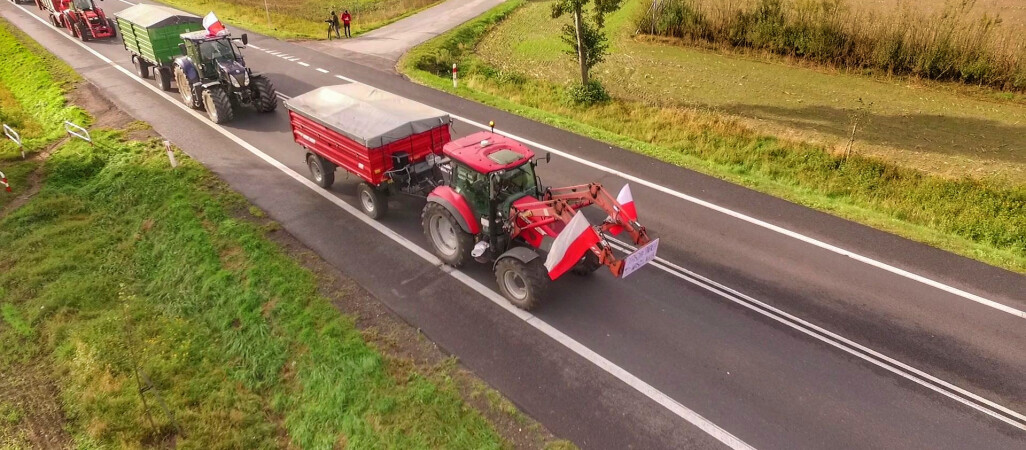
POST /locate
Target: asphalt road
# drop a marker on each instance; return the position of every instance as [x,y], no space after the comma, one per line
[786,342]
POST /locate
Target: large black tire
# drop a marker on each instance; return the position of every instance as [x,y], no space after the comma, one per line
[588,265]
[82,31]
[113,28]
[448,241]
[265,98]
[142,68]
[322,172]
[373,202]
[217,104]
[163,77]
[185,89]
[524,285]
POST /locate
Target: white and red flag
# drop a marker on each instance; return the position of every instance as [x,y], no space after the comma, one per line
[570,246]
[213,25]
[3,181]
[627,211]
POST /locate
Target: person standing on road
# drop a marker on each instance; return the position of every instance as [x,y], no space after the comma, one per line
[333,21]
[346,18]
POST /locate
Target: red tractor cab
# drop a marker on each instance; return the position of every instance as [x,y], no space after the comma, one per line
[82,18]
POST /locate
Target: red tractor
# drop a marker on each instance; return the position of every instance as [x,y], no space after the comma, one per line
[82,18]
[484,200]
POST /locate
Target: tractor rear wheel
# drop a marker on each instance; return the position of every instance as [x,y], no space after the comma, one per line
[265,98]
[142,68]
[524,285]
[322,172]
[448,240]
[373,201]
[163,77]
[219,107]
[185,88]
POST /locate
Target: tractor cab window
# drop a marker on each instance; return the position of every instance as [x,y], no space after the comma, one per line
[516,181]
[473,186]
[220,49]
[83,5]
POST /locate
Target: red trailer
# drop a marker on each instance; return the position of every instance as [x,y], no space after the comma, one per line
[388,141]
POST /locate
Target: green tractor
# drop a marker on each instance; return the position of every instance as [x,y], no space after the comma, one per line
[211,74]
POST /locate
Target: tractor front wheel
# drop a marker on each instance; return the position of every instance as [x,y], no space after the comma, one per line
[81,31]
[113,28]
[448,240]
[185,88]
[524,285]
[265,98]
[587,265]
[373,201]
[219,107]
[163,76]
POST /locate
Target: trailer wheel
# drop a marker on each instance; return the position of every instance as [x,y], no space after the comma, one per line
[372,201]
[524,285]
[219,107]
[587,265]
[163,77]
[322,172]
[142,68]
[265,98]
[450,243]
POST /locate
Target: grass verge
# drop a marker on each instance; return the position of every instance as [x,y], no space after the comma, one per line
[303,19]
[982,219]
[141,307]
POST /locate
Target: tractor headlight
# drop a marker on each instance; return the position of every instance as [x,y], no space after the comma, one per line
[241,80]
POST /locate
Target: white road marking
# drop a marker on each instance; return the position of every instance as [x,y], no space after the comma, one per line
[304,64]
[598,360]
[844,344]
[321,70]
[127,2]
[275,53]
[251,45]
[758,222]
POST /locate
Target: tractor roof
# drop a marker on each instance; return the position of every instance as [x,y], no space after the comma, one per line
[488,152]
[203,35]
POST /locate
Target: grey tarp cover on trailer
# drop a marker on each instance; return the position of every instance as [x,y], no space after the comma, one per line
[369,116]
[155,16]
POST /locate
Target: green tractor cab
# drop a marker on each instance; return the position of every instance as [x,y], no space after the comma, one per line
[211,74]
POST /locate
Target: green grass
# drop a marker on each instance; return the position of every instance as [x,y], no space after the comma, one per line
[121,264]
[982,219]
[303,19]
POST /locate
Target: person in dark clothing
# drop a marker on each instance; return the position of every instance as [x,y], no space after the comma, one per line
[346,18]
[333,25]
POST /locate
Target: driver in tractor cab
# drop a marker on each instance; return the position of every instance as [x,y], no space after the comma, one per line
[473,186]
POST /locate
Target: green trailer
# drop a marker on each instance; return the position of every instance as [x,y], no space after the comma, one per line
[152,33]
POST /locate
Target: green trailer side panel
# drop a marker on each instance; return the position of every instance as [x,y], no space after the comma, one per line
[153,32]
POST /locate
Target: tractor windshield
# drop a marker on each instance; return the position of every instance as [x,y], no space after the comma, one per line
[517,181]
[220,49]
[83,5]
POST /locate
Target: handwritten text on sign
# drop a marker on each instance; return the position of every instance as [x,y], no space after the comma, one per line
[638,259]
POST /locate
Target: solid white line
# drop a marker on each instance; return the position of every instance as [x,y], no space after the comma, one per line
[304,64]
[641,386]
[761,223]
[897,367]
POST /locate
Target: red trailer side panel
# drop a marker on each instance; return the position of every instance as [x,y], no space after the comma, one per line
[370,164]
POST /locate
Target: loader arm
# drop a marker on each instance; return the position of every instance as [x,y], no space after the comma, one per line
[559,205]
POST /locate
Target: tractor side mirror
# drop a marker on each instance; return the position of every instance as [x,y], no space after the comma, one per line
[181,48]
[548,157]
[245,39]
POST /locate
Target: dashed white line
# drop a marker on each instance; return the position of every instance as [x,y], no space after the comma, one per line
[598,360]
[321,70]
[304,64]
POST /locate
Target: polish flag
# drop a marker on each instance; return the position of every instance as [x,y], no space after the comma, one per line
[570,246]
[214,27]
[627,211]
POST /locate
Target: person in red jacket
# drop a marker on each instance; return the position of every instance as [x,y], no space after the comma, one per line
[346,18]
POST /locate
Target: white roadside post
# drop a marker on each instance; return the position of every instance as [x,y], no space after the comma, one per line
[454,70]
[77,131]
[14,136]
[3,181]
[170,154]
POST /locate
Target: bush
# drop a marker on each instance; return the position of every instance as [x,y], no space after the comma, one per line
[586,95]
[949,46]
